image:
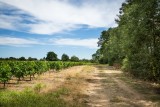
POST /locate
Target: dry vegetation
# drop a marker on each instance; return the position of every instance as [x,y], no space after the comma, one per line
[91,86]
[67,84]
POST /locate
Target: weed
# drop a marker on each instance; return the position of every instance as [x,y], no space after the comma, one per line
[116,99]
[38,87]
[68,77]
[88,69]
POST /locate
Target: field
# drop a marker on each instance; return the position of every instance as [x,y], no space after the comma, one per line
[80,86]
[79,53]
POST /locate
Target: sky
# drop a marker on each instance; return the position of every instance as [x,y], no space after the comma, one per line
[31,28]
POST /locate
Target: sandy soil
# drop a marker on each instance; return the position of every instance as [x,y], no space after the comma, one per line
[106,89]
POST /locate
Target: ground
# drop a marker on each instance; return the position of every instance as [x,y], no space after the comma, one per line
[111,88]
[95,86]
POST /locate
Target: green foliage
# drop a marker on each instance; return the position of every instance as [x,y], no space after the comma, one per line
[51,56]
[17,71]
[125,64]
[5,73]
[20,69]
[41,66]
[32,59]
[22,58]
[65,57]
[29,98]
[135,43]
[30,68]
[38,87]
[74,59]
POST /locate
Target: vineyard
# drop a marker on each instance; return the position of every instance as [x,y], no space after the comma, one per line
[22,69]
[79,53]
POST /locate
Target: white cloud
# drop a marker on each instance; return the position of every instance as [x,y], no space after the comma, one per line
[7,22]
[88,43]
[54,16]
[50,28]
[12,41]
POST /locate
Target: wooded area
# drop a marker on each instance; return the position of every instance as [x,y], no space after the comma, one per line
[135,43]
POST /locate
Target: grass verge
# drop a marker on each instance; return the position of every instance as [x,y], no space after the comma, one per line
[151,91]
[29,98]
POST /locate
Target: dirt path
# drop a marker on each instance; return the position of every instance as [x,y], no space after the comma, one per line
[107,89]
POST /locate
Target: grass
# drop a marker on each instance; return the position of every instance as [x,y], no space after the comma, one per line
[116,99]
[38,87]
[30,98]
[67,94]
[88,69]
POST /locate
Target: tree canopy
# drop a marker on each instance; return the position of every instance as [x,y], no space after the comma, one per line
[74,59]
[135,42]
[65,57]
[51,56]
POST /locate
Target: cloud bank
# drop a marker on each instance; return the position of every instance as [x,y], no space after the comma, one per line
[20,42]
[90,43]
[57,16]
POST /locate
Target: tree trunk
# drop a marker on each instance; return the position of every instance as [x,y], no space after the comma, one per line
[30,77]
[19,78]
[4,84]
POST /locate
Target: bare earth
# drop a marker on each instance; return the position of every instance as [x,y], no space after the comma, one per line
[107,89]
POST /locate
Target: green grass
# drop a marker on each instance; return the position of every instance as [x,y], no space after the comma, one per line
[29,98]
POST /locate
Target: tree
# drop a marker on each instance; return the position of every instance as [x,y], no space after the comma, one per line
[74,59]
[51,56]
[22,58]
[12,58]
[97,57]
[32,59]
[65,57]
[43,59]
[135,42]
[139,24]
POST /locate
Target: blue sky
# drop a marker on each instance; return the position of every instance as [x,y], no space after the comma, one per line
[31,28]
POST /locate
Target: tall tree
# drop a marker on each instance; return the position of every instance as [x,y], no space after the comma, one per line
[22,58]
[51,56]
[65,57]
[74,59]
[140,23]
[135,43]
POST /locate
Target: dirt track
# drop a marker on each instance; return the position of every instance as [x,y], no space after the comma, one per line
[107,89]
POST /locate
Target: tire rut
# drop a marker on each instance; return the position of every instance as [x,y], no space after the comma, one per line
[106,90]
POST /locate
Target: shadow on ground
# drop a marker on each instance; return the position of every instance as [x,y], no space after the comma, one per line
[109,90]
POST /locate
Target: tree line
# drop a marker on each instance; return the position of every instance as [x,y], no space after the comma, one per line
[51,56]
[134,44]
